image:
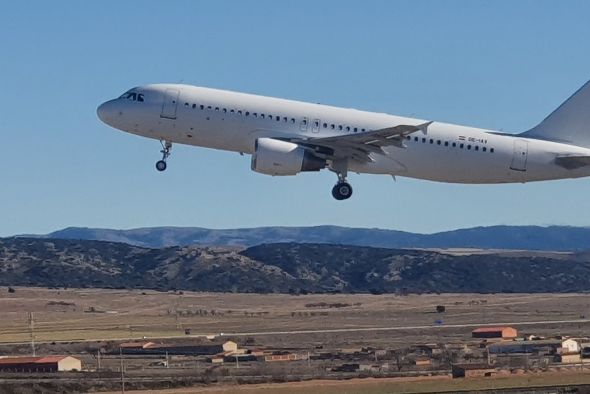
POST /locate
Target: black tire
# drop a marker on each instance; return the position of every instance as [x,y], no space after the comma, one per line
[342,191]
[161,165]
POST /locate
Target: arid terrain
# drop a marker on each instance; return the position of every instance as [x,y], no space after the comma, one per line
[85,322]
[94,314]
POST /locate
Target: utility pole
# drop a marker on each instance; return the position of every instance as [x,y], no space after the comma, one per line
[122,371]
[32,331]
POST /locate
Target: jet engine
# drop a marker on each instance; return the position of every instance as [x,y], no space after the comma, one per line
[276,157]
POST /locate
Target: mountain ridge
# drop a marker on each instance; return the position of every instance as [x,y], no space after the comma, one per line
[555,238]
[287,268]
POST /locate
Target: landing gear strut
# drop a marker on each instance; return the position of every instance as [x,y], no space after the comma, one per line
[166,147]
[342,190]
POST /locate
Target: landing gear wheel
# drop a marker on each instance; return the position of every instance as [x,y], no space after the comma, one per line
[161,165]
[166,146]
[342,191]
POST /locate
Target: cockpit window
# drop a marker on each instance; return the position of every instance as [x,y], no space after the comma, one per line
[130,95]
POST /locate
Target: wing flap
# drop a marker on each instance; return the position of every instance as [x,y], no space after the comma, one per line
[360,146]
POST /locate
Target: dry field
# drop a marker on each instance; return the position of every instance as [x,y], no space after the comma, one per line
[64,315]
[533,382]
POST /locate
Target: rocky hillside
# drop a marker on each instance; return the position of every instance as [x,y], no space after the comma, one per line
[288,267]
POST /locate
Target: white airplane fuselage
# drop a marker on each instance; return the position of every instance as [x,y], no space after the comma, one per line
[234,121]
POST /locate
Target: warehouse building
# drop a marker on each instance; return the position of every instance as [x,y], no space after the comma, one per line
[285,357]
[495,332]
[472,370]
[200,349]
[544,346]
[136,345]
[40,364]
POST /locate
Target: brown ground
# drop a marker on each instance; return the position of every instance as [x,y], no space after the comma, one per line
[394,385]
[60,315]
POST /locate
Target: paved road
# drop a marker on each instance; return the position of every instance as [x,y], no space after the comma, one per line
[328,331]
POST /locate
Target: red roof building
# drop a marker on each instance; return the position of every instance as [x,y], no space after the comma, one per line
[40,364]
[495,332]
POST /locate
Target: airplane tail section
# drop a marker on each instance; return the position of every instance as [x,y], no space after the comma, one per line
[569,123]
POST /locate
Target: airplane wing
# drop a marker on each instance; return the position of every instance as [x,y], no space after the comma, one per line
[359,146]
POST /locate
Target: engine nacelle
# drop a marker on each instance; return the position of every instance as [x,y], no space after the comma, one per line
[276,157]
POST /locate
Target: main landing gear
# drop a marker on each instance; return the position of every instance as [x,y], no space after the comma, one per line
[166,147]
[342,190]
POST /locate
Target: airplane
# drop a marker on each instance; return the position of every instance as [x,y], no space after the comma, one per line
[287,137]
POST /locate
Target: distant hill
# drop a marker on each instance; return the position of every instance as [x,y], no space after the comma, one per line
[285,268]
[556,238]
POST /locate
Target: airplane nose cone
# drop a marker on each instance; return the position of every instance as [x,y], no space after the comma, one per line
[106,112]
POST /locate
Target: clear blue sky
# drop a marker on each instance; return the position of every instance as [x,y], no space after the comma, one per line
[494,64]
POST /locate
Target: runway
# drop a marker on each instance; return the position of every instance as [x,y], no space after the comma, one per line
[322,331]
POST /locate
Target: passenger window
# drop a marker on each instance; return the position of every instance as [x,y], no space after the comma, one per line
[339,127]
[446,143]
[202,107]
[356,129]
[469,147]
[225,110]
[186,104]
[239,112]
[363,130]
[285,119]
[347,128]
[140,97]
[484,149]
[476,147]
[247,113]
[255,114]
[194,106]
[209,107]
[454,144]
[304,122]
[431,141]
[316,123]
[325,125]
[438,142]
[278,118]
[332,126]
[416,139]
[461,146]
[216,108]
[231,111]
[292,120]
[408,138]
[423,140]
[491,150]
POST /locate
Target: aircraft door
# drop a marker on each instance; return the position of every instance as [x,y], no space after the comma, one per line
[519,156]
[170,104]
[303,124]
[315,126]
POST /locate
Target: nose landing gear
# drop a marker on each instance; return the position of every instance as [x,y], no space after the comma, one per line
[166,147]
